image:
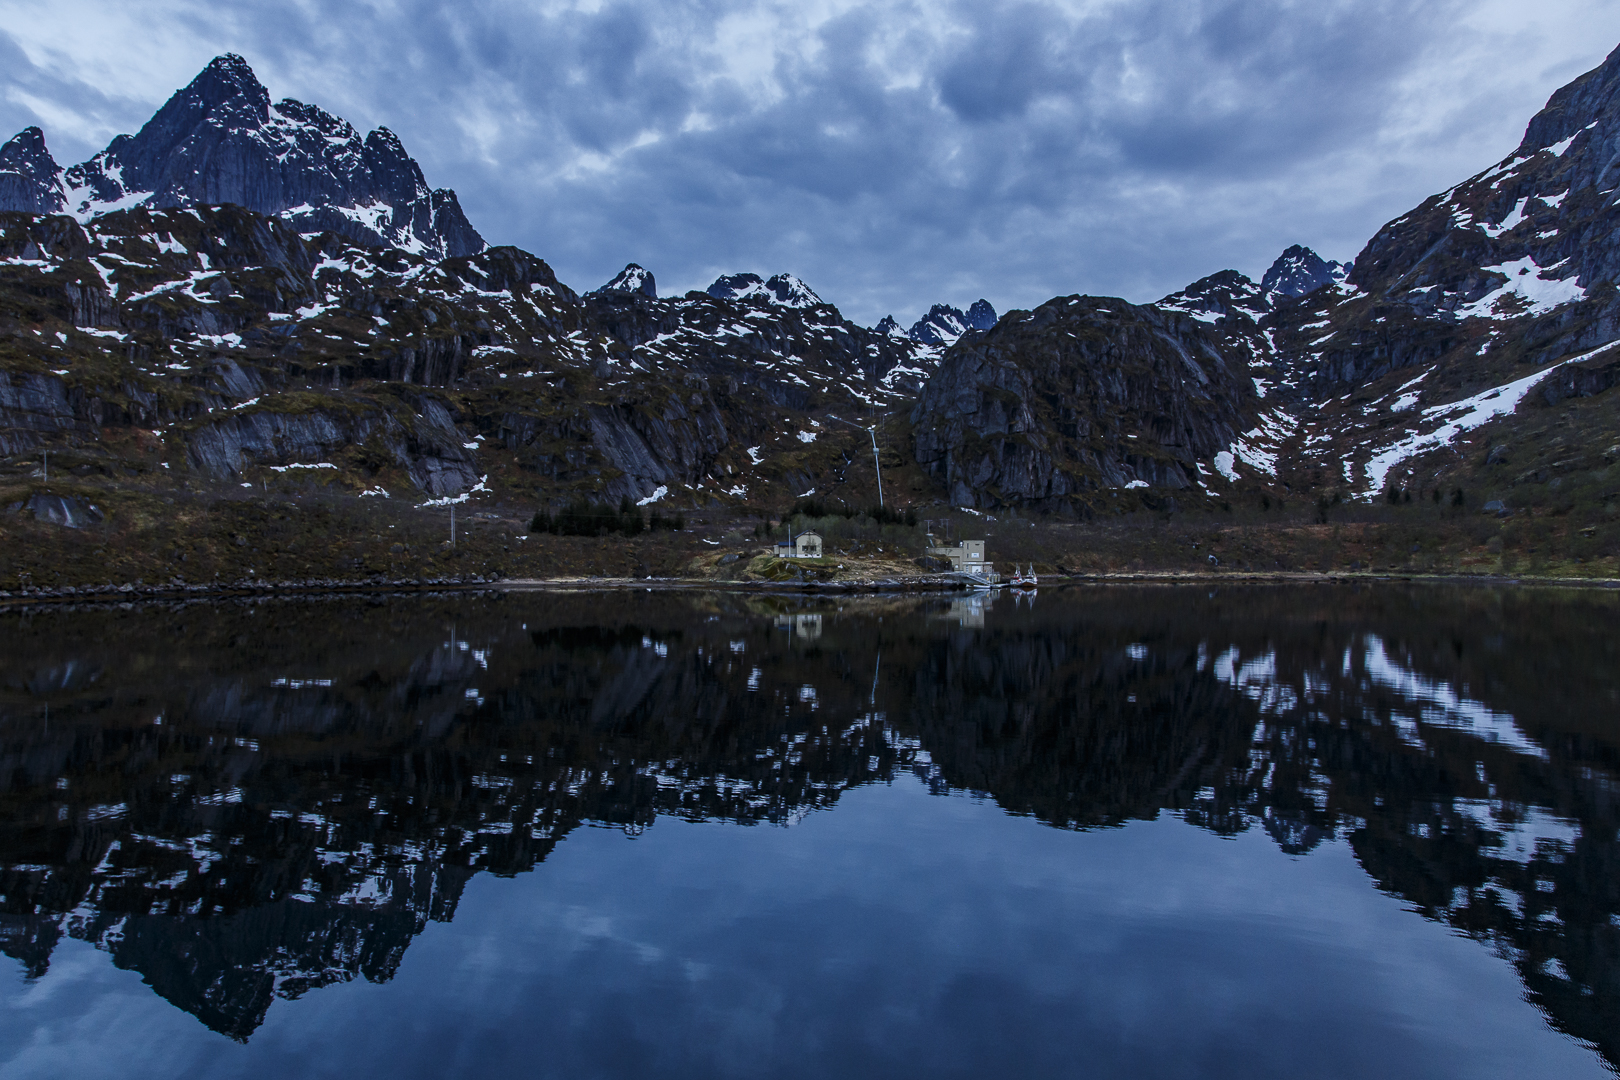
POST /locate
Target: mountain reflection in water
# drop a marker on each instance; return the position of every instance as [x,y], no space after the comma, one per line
[251,801]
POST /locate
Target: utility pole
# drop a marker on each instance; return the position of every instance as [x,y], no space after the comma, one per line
[45,467]
[452,526]
[876,462]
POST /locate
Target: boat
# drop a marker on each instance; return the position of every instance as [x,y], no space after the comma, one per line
[1022,579]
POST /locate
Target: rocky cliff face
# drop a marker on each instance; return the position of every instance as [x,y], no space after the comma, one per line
[30,179]
[781,290]
[634,279]
[1078,398]
[221,140]
[1497,293]
[251,347]
[1299,271]
[943,325]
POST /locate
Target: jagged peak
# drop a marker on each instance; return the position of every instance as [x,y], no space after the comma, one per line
[227,79]
[981,316]
[26,152]
[384,139]
[791,291]
[782,290]
[1574,107]
[1299,271]
[633,278]
[30,137]
[888,325]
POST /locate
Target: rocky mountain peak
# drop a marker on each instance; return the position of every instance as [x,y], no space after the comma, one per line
[944,324]
[789,291]
[941,326]
[888,326]
[1213,298]
[227,84]
[1300,271]
[981,316]
[30,179]
[1574,108]
[220,140]
[782,290]
[633,278]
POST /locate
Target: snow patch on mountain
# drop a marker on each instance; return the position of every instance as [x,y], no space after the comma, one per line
[1456,417]
[220,140]
[1526,281]
[944,325]
[1300,271]
[633,278]
[781,290]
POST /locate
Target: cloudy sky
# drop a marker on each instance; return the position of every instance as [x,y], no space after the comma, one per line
[893,154]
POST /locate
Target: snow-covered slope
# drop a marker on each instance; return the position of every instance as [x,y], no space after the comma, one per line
[782,290]
[221,140]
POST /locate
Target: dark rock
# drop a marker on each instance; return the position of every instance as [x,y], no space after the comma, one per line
[220,140]
[981,316]
[1300,271]
[635,279]
[1081,394]
[782,290]
[943,325]
[1497,456]
[66,510]
[30,179]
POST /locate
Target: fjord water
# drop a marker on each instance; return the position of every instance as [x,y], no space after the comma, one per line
[1156,832]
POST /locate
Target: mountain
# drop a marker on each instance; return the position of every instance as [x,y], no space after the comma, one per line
[221,140]
[1300,271]
[1082,397]
[1465,355]
[30,179]
[1467,350]
[943,325]
[633,278]
[782,290]
[1471,344]
[257,350]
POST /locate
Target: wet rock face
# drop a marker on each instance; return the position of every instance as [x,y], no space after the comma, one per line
[1080,395]
[221,140]
[66,510]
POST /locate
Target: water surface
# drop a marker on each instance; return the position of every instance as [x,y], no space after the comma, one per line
[1158,832]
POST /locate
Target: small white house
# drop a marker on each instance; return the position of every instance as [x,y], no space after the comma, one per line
[807,545]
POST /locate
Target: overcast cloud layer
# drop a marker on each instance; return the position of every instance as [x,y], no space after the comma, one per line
[893,154]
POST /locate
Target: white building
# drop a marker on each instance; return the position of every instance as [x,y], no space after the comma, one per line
[966,557]
[807,545]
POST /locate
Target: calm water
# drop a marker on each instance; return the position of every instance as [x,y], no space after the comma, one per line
[1156,833]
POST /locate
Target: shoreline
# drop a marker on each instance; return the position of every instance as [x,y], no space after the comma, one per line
[883,586]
